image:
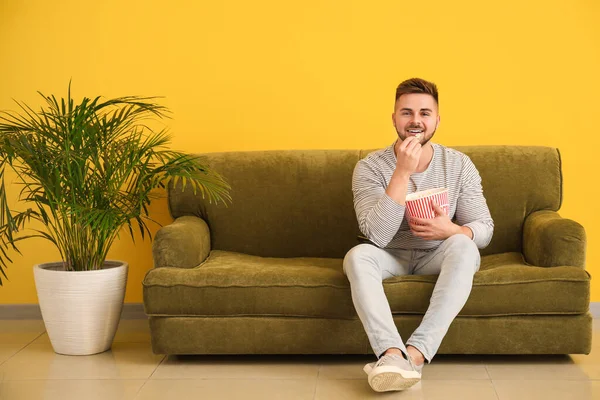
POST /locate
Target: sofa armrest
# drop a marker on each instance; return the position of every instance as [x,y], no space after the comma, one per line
[185,243]
[550,240]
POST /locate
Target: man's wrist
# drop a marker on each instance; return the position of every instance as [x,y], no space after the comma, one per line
[401,174]
[465,230]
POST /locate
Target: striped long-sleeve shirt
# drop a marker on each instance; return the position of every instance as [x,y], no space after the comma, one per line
[382,220]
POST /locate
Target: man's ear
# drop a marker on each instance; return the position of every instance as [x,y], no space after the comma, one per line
[393,120]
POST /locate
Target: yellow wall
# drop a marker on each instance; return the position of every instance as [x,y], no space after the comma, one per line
[269,74]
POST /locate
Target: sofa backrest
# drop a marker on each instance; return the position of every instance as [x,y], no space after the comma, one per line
[298,203]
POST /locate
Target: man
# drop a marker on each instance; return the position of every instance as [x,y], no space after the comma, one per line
[399,246]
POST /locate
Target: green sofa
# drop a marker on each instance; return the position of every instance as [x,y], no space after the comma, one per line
[264,275]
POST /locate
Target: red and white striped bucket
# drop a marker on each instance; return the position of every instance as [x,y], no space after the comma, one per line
[419,205]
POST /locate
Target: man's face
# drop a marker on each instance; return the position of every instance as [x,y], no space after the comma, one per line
[416,113]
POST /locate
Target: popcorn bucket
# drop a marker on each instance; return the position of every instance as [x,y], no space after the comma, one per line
[419,205]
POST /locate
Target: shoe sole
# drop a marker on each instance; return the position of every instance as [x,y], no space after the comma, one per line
[367,368]
[391,379]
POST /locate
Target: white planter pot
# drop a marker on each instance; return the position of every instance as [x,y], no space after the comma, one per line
[81,309]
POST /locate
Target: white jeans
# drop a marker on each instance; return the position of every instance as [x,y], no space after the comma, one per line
[456,260]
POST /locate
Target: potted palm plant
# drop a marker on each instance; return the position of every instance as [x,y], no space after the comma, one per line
[86,171]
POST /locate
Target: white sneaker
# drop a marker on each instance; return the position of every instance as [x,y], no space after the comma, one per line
[367,368]
[392,372]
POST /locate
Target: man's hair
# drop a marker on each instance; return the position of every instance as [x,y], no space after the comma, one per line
[417,85]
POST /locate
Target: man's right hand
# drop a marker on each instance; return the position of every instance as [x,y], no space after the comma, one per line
[408,153]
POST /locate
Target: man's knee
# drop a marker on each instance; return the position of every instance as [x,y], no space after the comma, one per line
[465,246]
[462,242]
[358,256]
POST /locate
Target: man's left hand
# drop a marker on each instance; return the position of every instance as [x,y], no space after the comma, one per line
[438,228]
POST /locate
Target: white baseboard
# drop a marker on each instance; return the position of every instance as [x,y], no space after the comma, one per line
[32,311]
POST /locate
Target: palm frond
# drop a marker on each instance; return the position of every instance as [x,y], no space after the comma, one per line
[87,169]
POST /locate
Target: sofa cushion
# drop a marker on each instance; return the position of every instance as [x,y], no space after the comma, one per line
[235,284]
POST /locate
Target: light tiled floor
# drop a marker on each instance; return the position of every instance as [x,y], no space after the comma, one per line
[29,369]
